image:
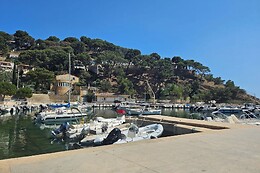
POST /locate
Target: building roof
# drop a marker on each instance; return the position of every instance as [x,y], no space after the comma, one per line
[65,78]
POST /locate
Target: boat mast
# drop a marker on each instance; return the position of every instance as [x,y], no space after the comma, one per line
[69,78]
[150,90]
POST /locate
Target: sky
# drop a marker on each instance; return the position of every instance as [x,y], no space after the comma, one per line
[223,35]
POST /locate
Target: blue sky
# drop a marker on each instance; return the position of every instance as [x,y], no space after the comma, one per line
[221,34]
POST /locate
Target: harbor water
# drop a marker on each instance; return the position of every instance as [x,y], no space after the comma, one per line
[20,136]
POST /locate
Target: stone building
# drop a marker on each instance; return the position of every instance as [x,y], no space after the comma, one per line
[63,82]
[111,97]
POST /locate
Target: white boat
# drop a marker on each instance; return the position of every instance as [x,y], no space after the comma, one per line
[229,110]
[98,126]
[248,115]
[144,111]
[132,134]
[62,114]
[136,134]
[111,122]
[68,132]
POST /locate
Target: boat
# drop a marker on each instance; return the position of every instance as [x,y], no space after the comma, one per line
[142,133]
[229,110]
[144,111]
[59,105]
[248,115]
[111,122]
[63,114]
[214,116]
[78,131]
[132,134]
[68,132]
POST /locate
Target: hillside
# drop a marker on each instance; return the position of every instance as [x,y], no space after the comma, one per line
[112,68]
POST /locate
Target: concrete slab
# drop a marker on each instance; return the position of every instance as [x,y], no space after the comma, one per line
[234,150]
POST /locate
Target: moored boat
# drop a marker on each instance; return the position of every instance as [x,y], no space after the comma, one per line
[119,136]
[144,111]
[62,114]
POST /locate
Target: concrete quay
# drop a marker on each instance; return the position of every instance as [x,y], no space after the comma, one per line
[232,149]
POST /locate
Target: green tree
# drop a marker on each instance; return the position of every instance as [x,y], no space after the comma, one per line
[78,47]
[23,40]
[84,78]
[84,58]
[218,81]
[155,56]
[119,72]
[71,39]
[87,41]
[53,38]
[221,95]
[125,86]
[6,88]
[23,93]
[57,60]
[233,89]
[110,60]
[40,78]
[105,86]
[4,42]
[36,58]
[130,54]
[172,91]
[177,59]
[195,86]
[90,97]
[6,76]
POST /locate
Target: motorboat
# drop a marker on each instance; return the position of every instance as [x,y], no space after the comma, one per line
[214,116]
[63,114]
[132,134]
[111,122]
[59,105]
[144,111]
[67,132]
[248,115]
[142,133]
[229,110]
[78,131]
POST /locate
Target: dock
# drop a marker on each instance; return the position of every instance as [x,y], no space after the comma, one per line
[197,146]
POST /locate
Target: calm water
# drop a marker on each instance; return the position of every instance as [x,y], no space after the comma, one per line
[20,136]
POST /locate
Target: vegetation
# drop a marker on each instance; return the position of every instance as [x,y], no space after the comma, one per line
[23,93]
[120,70]
[6,88]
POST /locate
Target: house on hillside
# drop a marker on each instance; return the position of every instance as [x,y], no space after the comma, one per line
[6,66]
[97,69]
[24,68]
[14,55]
[78,65]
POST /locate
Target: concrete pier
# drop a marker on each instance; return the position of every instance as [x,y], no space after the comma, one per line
[234,148]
